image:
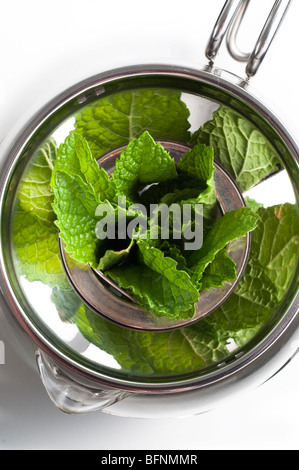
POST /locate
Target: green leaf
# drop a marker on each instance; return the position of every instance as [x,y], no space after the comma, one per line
[199,163]
[154,354]
[35,237]
[268,275]
[219,271]
[142,162]
[253,204]
[157,283]
[36,244]
[115,120]
[232,225]
[75,206]
[239,146]
[112,258]
[173,251]
[275,244]
[34,191]
[74,158]
[251,304]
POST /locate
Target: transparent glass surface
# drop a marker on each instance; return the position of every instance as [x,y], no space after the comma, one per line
[55,309]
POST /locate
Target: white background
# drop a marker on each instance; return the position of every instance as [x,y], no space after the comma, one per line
[47,46]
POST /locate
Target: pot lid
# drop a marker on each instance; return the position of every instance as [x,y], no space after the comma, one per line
[105,115]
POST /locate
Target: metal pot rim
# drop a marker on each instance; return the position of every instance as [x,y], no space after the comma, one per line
[14,145]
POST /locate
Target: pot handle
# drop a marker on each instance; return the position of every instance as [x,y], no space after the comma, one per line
[70,396]
[228,23]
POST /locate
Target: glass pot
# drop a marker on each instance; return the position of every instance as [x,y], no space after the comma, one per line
[86,362]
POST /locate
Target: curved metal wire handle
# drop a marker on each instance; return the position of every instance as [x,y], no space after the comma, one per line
[228,23]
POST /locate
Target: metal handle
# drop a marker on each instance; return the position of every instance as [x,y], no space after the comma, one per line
[228,23]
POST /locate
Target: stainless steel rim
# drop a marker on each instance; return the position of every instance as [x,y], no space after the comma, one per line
[95,86]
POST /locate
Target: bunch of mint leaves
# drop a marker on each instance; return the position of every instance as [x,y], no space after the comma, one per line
[163,277]
[245,153]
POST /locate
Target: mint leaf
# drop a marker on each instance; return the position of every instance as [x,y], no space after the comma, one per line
[251,304]
[253,204]
[75,158]
[219,271]
[142,162]
[34,192]
[112,257]
[275,244]
[115,120]
[173,251]
[199,163]
[230,226]
[154,354]
[268,275]
[157,283]
[241,148]
[36,245]
[75,206]
[240,318]
[35,237]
